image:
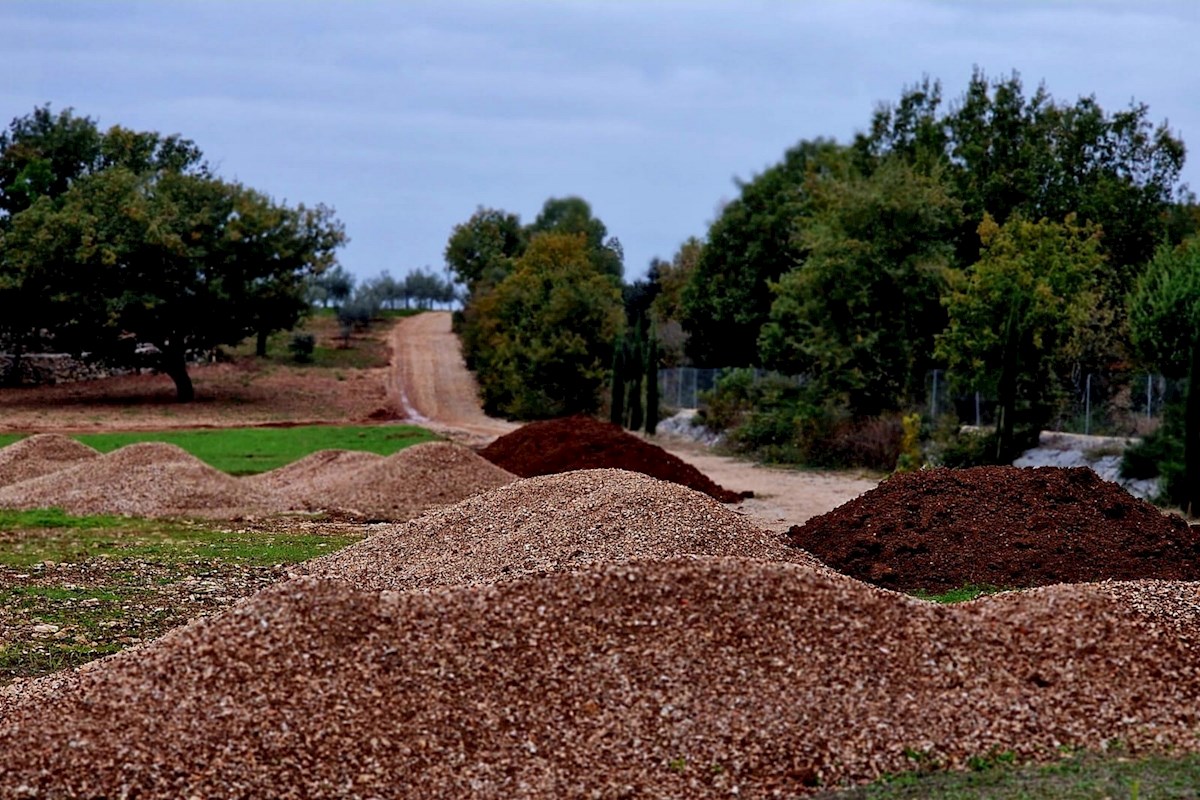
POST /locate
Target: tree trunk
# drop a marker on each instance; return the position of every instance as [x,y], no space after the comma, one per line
[260,346]
[175,365]
[1191,435]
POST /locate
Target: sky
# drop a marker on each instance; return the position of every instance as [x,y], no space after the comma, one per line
[407,116]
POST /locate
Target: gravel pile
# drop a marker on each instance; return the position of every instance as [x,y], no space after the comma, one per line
[582,442]
[678,678]
[403,485]
[147,479]
[315,473]
[1006,527]
[41,454]
[549,524]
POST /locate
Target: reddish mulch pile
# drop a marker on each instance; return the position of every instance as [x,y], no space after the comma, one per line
[581,442]
[1004,527]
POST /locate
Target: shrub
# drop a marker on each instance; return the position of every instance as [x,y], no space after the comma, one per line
[302,346]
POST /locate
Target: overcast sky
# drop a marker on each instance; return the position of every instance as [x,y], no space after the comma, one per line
[406,116]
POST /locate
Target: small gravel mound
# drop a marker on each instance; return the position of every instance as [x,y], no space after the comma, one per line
[1005,527]
[403,485]
[147,479]
[582,442]
[549,524]
[313,474]
[680,678]
[41,454]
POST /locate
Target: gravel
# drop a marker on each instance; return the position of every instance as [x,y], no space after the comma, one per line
[315,473]
[41,454]
[549,524]
[147,479]
[669,678]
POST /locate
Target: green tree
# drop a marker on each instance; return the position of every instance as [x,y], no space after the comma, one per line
[42,153]
[1021,315]
[183,262]
[482,249]
[1164,320]
[728,297]
[859,316]
[574,215]
[541,341]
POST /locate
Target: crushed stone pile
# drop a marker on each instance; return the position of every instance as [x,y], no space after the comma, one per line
[677,678]
[407,483]
[582,442]
[548,524]
[41,454]
[313,474]
[146,479]
[1004,527]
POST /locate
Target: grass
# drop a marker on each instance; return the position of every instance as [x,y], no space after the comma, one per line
[73,589]
[72,540]
[363,349]
[245,451]
[1078,776]
[959,595]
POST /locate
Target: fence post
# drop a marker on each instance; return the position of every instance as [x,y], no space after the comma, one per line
[1087,405]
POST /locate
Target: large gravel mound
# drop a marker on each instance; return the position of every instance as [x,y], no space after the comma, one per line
[548,524]
[1006,527]
[408,483]
[682,678]
[581,442]
[313,474]
[41,454]
[147,479]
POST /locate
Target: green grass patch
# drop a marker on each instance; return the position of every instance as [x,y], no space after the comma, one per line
[246,451]
[1079,776]
[959,595]
[57,518]
[160,543]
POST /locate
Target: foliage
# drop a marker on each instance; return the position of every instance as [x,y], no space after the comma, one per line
[482,249]
[1019,317]
[727,297]
[666,308]
[911,458]
[302,346]
[1164,320]
[145,248]
[541,341]
[573,215]
[331,286]
[860,315]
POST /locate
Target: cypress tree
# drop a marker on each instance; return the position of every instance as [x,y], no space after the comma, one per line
[652,386]
[616,413]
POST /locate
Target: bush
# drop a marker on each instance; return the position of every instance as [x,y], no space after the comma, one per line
[302,346]
[1161,454]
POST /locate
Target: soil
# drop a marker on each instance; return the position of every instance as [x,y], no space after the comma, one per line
[580,442]
[1002,527]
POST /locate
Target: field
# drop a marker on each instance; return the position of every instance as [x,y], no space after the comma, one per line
[414,621]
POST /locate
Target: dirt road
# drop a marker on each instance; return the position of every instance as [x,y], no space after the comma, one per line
[430,384]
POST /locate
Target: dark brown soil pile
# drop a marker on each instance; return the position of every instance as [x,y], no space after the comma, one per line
[41,454]
[404,484]
[581,442]
[1003,527]
[147,479]
[683,678]
[549,524]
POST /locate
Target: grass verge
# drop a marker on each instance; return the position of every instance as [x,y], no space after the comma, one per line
[1079,776]
[245,451]
[73,589]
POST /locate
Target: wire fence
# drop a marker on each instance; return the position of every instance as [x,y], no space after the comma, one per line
[1092,403]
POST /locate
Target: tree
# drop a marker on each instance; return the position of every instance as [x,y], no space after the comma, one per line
[859,316]
[482,249]
[42,154]
[540,341]
[1020,315]
[182,262]
[1164,320]
[574,215]
[666,310]
[727,298]
[333,285]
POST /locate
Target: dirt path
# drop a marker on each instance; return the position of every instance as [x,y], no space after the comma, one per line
[430,384]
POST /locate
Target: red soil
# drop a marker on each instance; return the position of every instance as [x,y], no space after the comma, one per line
[1004,527]
[580,442]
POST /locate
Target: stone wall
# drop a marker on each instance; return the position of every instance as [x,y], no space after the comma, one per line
[45,368]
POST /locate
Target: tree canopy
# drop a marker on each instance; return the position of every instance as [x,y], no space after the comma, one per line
[142,246]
